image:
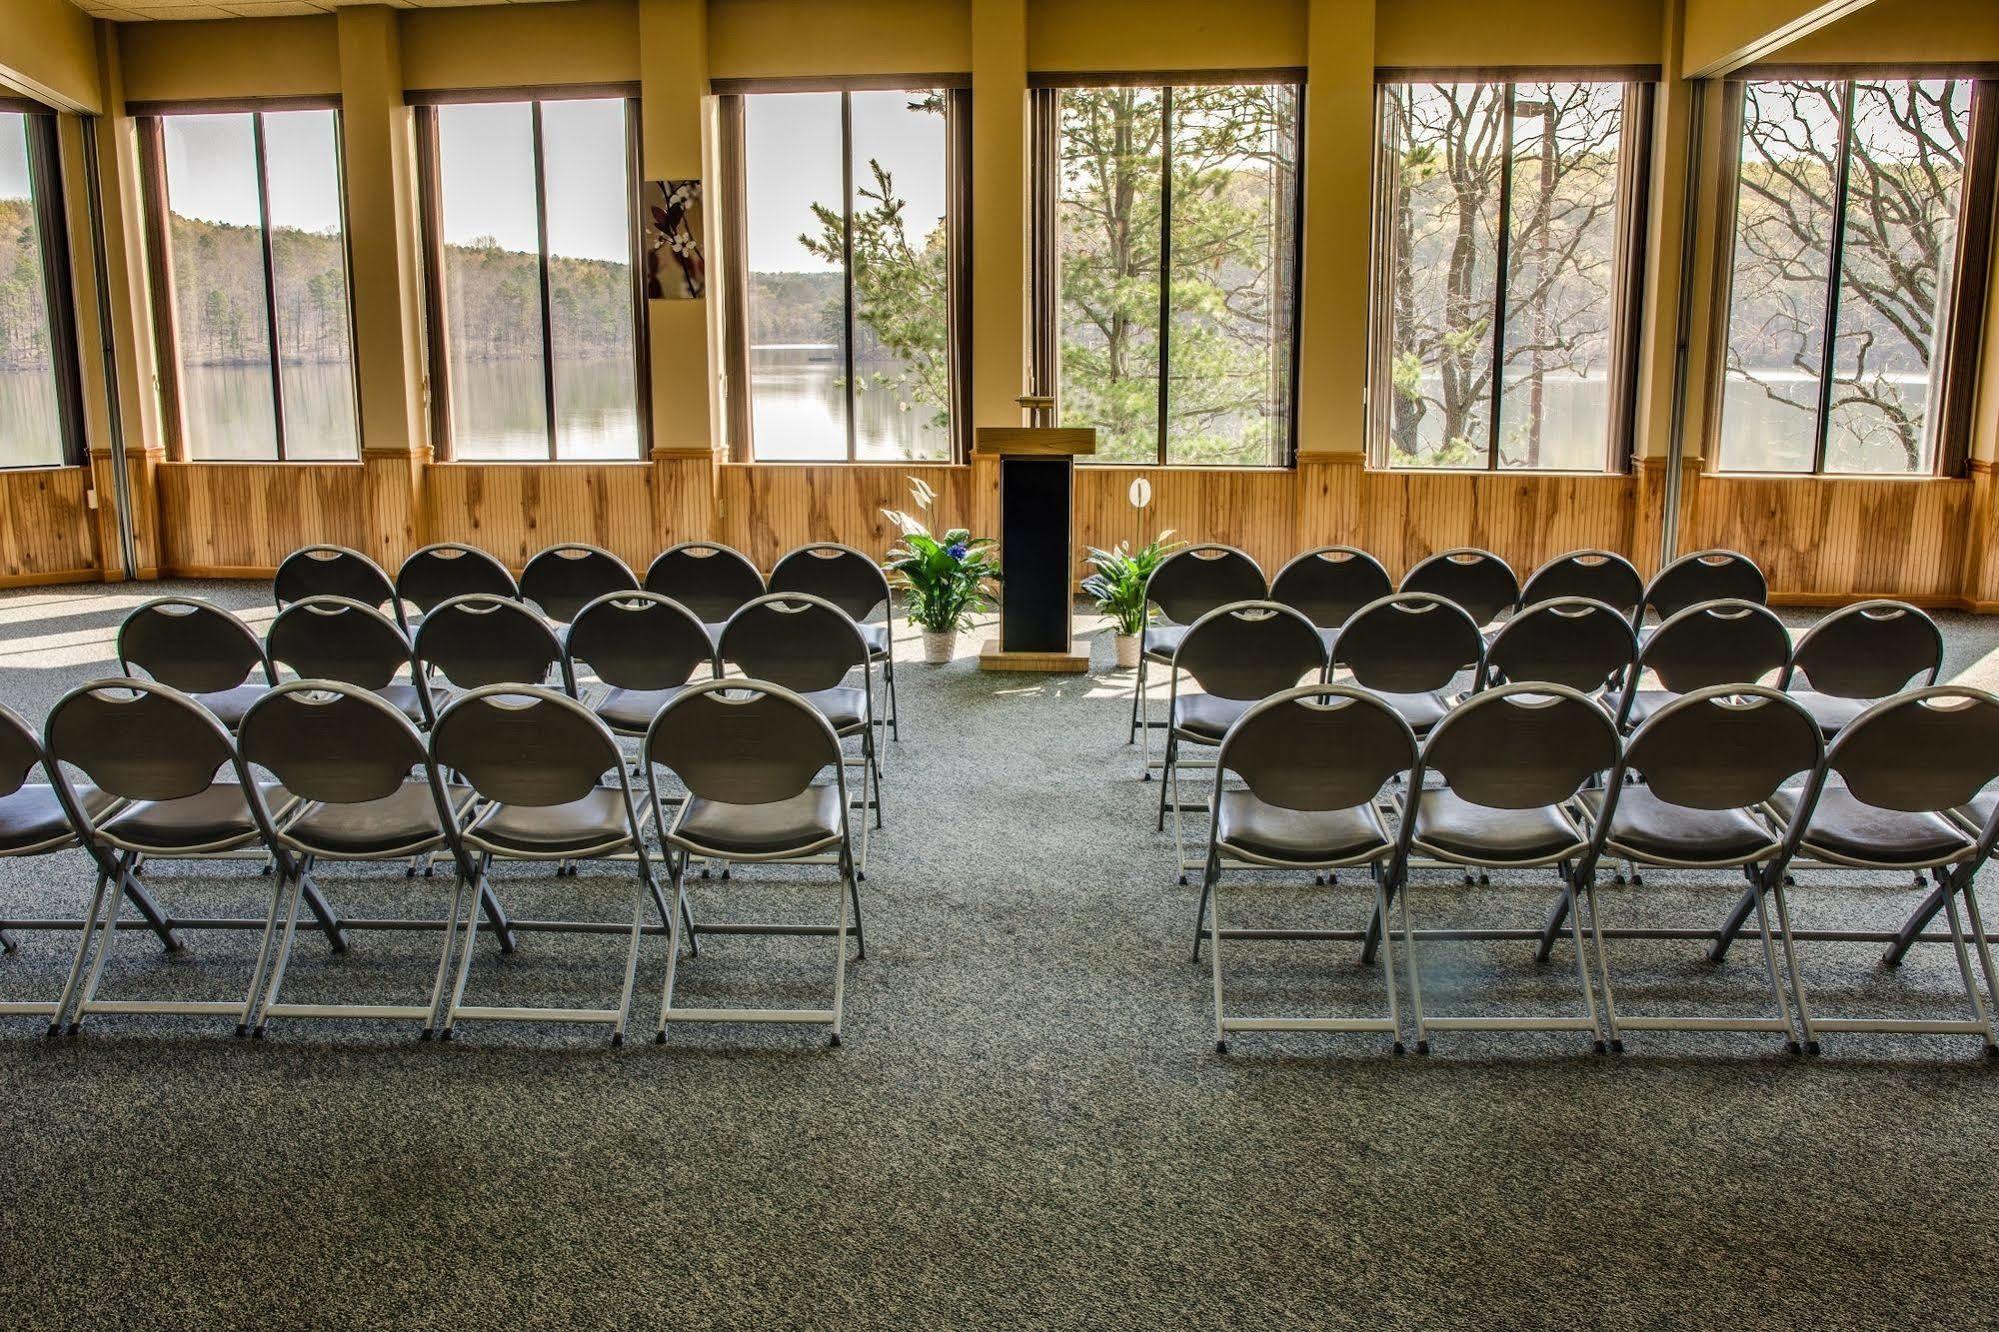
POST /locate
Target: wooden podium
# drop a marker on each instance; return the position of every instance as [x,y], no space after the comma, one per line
[1037,487]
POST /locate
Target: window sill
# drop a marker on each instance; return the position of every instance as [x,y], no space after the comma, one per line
[1892,477]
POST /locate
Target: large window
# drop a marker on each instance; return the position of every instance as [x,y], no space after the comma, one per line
[38,409]
[847,272]
[1846,235]
[249,225]
[535,350]
[1169,274]
[1505,218]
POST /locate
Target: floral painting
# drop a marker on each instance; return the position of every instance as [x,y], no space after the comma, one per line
[675,269]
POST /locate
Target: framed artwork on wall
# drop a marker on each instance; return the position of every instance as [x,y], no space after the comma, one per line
[671,221]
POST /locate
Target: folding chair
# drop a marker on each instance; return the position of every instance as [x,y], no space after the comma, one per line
[643,647]
[1859,655]
[349,756]
[1409,648]
[1713,643]
[1512,761]
[563,579]
[1703,575]
[1328,584]
[856,584]
[1477,580]
[1887,798]
[477,640]
[710,579]
[1239,654]
[750,754]
[1693,792]
[1185,586]
[1575,641]
[1313,760]
[536,759]
[437,573]
[338,638]
[1600,575]
[200,649]
[336,571]
[809,645]
[158,750]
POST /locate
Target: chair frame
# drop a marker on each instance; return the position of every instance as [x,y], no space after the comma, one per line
[305,556]
[1457,556]
[563,550]
[464,550]
[1711,556]
[889,716]
[1550,570]
[1142,725]
[138,670]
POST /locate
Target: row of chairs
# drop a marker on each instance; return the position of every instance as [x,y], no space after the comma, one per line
[320,771]
[1734,777]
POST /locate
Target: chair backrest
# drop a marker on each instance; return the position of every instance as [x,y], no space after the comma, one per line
[1477,580]
[1704,575]
[1869,650]
[1318,747]
[742,742]
[1195,579]
[482,640]
[331,741]
[565,578]
[835,573]
[793,639]
[1716,643]
[1520,746]
[708,578]
[1574,641]
[638,640]
[1927,750]
[1250,649]
[334,571]
[1727,747]
[1600,575]
[525,745]
[338,638]
[437,573]
[1328,584]
[1409,643]
[20,751]
[192,645]
[138,739]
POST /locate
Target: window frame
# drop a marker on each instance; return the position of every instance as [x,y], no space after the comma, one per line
[1045,240]
[48,207]
[1627,280]
[159,257]
[431,218]
[1959,335]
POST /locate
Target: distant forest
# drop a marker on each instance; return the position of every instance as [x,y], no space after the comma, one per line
[24,337]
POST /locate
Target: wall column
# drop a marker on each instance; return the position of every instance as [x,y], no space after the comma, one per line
[385,276]
[999,234]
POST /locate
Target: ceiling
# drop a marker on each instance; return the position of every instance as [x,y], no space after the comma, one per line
[146,11]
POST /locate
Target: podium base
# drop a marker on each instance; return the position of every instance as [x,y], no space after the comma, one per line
[993,658]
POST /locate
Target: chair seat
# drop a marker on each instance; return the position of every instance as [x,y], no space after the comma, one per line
[218,818]
[1161,641]
[1849,829]
[32,819]
[1655,829]
[408,700]
[631,711]
[403,822]
[229,705]
[1979,812]
[877,637]
[1304,837]
[1832,712]
[1421,711]
[1208,718]
[844,706]
[594,825]
[803,823]
[1456,829]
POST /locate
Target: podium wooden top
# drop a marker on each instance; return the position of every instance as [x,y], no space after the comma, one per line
[1033,440]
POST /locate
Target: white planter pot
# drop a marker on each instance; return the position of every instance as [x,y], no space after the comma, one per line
[1127,650]
[938,647]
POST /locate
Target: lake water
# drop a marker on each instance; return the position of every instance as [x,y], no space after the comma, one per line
[30,427]
[798,410]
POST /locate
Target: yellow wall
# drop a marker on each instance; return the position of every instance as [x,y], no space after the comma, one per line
[1423,34]
[592,41]
[1723,35]
[1905,30]
[1067,35]
[273,57]
[48,51]
[773,39]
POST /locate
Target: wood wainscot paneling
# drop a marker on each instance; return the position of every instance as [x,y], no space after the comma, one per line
[48,533]
[517,509]
[239,520]
[1252,508]
[766,509]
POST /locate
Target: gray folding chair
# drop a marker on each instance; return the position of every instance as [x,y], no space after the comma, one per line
[436,573]
[349,756]
[1410,648]
[857,585]
[201,650]
[1328,584]
[750,754]
[1701,576]
[477,640]
[1600,575]
[1313,761]
[1888,798]
[810,646]
[1512,761]
[1575,641]
[1859,655]
[643,647]
[565,578]
[157,750]
[710,579]
[338,638]
[1187,585]
[536,759]
[1693,792]
[1239,654]
[336,571]
[1477,580]
[1713,643]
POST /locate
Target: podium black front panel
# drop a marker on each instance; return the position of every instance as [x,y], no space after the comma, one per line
[1034,549]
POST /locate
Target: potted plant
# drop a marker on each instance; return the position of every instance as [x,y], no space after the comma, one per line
[1119,588]
[944,580]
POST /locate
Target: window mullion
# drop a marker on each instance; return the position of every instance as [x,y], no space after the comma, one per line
[1165,257]
[1835,261]
[1502,257]
[541,243]
[270,282]
[847,261]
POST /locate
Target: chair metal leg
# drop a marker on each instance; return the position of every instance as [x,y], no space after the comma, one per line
[676,869]
[646,889]
[1582,968]
[1791,963]
[7,944]
[104,949]
[106,875]
[465,955]
[1371,938]
[1387,957]
[840,944]
[155,918]
[1978,1011]
[1137,694]
[1558,916]
[1983,945]
[1602,967]
[496,916]
[1208,878]
[860,940]
[299,877]
[1738,916]
[1179,840]
[1925,912]
[1415,970]
[328,918]
[1165,778]
[1210,894]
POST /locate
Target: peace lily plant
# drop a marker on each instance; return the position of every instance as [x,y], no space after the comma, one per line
[944,577]
[1119,588]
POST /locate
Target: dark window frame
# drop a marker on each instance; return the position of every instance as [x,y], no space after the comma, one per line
[48,209]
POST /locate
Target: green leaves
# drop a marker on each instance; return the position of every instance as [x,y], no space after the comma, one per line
[1118,585]
[944,576]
